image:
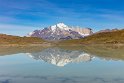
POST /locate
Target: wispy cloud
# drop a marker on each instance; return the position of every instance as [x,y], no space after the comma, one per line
[13,29]
[46,12]
[40,10]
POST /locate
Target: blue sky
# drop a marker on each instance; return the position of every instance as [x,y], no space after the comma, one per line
[18,17]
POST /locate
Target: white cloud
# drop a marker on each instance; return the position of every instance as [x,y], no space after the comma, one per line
[12,29]
[12,26]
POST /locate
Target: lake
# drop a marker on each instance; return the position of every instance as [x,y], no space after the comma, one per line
[89,64]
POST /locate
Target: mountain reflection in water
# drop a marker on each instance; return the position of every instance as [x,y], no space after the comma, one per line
[60,57]
[96,64]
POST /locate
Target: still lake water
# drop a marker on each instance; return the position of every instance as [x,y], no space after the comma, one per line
[62,65]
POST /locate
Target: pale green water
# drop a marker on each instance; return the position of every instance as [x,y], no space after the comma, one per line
[56,65]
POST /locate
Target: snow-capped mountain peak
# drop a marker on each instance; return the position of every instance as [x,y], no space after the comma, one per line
[61,26]
[61,31]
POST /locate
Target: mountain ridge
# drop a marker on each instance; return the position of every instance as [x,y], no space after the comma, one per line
[107,36]
[61,31]
[112,37]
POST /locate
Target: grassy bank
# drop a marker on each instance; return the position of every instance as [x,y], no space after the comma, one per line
[115,37]
[9,40]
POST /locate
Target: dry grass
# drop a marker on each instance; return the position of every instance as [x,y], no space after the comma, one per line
[8,39]
[115,37]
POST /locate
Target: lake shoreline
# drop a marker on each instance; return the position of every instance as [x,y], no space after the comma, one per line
[55,45]
[25,45]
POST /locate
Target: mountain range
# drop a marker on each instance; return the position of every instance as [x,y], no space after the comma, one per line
[61,31]
[106,37]
[67,35]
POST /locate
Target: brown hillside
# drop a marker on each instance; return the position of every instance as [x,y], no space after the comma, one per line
[115,37]
[9,39]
